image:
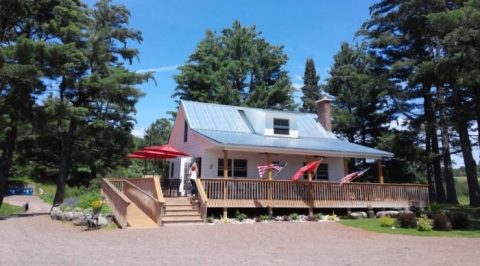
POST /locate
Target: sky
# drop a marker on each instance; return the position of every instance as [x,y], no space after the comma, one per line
[172,29]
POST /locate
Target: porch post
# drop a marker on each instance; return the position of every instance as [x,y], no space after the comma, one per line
[310,198]
[225,177]
[269,185]
[380,171]
[345,166]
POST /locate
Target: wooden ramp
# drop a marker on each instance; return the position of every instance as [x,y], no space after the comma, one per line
[136,218]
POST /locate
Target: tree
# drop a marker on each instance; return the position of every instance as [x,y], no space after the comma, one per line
[27,46]
[158,132]
[400,34]
[311,88]
[361,108]
[97,90]
[237,67]
[459,37]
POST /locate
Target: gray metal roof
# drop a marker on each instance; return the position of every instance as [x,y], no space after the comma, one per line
[225,125]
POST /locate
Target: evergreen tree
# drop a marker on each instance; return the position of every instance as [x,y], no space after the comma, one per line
[311,88]
[237,67]
[158,133]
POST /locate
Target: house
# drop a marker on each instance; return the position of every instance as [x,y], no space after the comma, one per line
[249,137]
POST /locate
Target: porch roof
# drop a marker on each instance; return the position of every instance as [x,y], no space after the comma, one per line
[256,142]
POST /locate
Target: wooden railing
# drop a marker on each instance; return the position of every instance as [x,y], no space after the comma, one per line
[203,199]
[118,202]
[146,202]
[283,193]
[151,185]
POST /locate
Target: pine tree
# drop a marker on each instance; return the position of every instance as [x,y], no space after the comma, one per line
[311,88]
[236,67]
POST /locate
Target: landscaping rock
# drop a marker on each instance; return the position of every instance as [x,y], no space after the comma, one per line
[357,215]
[80,221]
[67,216]
[387,213]
[102,221]
[77,215]
[56,213]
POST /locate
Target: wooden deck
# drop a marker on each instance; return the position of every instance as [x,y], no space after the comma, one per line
[250,193]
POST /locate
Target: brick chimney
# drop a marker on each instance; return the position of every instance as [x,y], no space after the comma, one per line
[323,113]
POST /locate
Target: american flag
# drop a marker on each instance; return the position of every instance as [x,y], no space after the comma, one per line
[348,178]
[263,168]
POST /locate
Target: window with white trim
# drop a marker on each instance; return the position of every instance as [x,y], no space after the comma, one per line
[281,126]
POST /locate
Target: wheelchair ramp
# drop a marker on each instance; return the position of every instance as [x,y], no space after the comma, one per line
[136,218]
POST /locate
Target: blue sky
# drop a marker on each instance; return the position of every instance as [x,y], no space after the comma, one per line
[172,29]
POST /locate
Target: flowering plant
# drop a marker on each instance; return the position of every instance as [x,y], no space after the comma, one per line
[96,204]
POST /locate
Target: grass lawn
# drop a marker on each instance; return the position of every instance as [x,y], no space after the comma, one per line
[8,209]
[374,225]
[46,191]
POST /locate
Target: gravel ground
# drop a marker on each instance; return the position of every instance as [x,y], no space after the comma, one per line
[38,240]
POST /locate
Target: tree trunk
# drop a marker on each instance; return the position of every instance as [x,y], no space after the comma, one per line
[477,113]
[465,144]
[431,182]
[6,159]
[429,110]
[65,161]
[447,161]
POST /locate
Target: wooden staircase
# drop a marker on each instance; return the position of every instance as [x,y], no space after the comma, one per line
[179,210]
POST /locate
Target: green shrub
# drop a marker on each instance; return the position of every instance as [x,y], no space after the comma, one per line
[265,217]
[318,216]
[386,221]
[210,219]
[435,207]
[240,216]
[407,220]
[294,216]
[440,222]
[460,221]
[8,209]
[424,224]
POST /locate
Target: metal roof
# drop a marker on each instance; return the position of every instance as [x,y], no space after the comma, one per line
[225,125]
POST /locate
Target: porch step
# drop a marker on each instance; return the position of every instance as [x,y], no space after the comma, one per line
[179,210]
[182,219]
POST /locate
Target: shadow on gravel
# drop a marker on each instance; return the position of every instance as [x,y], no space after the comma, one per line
[23,215]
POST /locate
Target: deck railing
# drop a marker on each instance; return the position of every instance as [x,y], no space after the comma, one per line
[146,202]
[118,202]
[144,192]
[284,193]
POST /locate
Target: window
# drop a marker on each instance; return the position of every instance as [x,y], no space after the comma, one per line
[220,167]
[172,167]
[239,167]
[322,172]
[281,126]
[185,132]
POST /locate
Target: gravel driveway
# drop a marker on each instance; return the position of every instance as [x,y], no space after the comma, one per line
[38,240]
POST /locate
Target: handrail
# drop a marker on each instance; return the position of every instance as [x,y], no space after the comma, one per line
[203,199]
[119,203]
[146,202]
[319,193]
[151,185]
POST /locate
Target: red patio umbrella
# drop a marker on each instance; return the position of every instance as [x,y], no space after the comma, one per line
[166,149]
[146,154]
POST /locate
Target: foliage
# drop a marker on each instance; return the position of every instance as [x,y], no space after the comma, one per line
[459,221]
[265,217]
[294,216]
[424,224]
[7,209]
[210,219]
[387,221]
[311,88]
[407,220]
[240,216]
[441,222]
[236,67]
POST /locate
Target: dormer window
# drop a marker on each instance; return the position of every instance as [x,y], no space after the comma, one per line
[281,126]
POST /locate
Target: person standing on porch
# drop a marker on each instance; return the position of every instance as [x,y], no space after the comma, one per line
[193,175]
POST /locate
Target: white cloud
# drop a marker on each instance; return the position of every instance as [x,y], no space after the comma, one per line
[158,69]
[138,132]
[298,78]
[297,86]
